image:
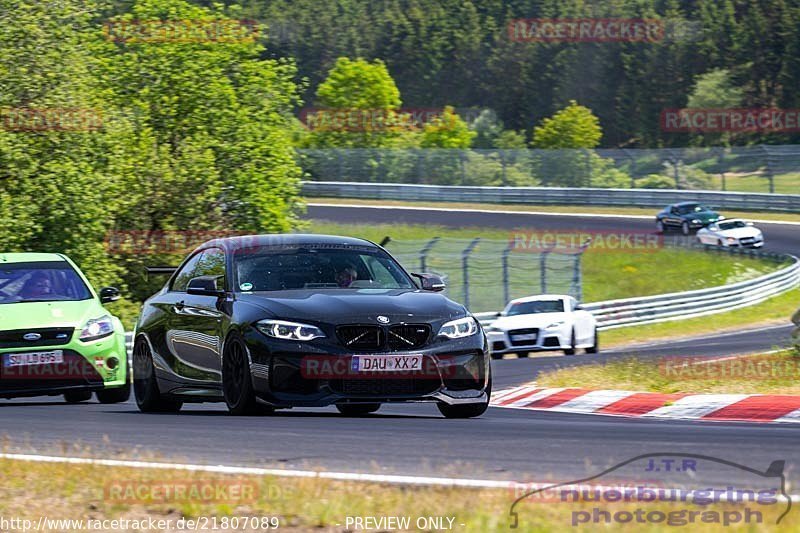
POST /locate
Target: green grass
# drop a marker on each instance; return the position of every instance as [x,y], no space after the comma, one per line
[749,374]
[606,274]
[784,183]
[628,211]
[62,491]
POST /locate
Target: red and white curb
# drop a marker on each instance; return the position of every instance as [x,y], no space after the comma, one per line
[716,407]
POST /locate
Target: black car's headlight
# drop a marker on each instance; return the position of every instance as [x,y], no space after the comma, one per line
[289,331]
[97,328]
[456,329]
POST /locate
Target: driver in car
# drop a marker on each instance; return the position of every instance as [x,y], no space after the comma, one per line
[346,277]
[37,286]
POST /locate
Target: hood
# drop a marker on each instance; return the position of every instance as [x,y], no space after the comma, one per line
[341,306]
[739,233]
[48,314]
[705,216]
[537,320]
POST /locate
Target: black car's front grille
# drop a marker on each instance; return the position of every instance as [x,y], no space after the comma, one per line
[361,337]
[369,338]
[46,337]
[531,336]
[408,336]
[372,387]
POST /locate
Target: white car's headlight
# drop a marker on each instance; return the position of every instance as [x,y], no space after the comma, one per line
[289,331]
[97,328]
[731,240]
[456,329]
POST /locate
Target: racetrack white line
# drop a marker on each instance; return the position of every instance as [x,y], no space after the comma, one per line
[517,212]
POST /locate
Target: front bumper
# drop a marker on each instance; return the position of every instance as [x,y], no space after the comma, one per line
[85,366]
[501,342]
[292,374]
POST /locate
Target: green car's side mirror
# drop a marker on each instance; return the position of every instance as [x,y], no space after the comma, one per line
[109,294]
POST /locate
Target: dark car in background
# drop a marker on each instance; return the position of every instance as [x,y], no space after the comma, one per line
[686,216]
[285,321]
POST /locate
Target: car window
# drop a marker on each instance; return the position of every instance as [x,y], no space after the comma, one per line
[212,263]
[535,307]
[731,225]
[45,281]
[185,274]
[287,268]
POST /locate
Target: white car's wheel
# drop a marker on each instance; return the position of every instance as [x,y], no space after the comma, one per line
[595,347]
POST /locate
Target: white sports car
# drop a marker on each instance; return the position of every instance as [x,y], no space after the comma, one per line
[543,322]
[733,232]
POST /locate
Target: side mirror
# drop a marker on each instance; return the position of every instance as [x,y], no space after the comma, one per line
[713,227]
[430,282]
[204,286]
[109,294]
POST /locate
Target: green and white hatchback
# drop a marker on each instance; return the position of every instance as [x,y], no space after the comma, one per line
[55,335]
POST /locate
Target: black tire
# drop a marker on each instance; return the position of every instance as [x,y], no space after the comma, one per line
[145,387]
[523,355]
[685,229]
[497,356]
[77,396]
[596,346]
[469,410]
[357,409]
[571,350]
[118,395]
[237,382]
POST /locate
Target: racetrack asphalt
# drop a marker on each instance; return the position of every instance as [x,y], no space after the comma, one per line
[415,439]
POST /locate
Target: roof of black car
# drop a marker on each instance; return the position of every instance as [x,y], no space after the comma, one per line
[286,239]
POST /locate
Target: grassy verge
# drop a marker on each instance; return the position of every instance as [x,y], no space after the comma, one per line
[776,373]
[607,274]
[86,492]
[774,311]
[630,211]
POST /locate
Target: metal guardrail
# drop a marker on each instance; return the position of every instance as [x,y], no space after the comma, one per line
[552,195]
[612,314]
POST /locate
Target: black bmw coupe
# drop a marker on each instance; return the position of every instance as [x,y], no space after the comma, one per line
[280,321]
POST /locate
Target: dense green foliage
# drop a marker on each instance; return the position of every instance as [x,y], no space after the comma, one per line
[458,52]
[194,136]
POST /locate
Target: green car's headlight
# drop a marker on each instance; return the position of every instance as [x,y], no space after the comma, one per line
[456,329]
[289,331]
[97,328]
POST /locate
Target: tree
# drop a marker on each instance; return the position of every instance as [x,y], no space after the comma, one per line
[447,131]
[715,89]
[574,126]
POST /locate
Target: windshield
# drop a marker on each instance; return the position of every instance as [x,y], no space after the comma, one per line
[732,224]
[287,268]
[692,208]
[41,282]
[536,307]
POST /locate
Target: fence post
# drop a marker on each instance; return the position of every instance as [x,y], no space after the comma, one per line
[423,254]
[505,272]
[543,271]
[577,272]
[768,165]
[465,267]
